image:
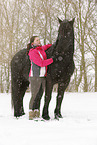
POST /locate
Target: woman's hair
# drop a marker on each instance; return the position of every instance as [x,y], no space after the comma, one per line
[29,44]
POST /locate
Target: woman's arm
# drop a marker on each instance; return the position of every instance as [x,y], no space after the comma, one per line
[45,47]
[35,57]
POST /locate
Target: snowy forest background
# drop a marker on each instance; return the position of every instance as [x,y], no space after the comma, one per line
[20,19]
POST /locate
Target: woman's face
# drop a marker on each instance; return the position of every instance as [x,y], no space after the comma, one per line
[37,41]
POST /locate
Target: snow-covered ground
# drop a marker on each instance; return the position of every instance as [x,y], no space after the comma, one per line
[78,126]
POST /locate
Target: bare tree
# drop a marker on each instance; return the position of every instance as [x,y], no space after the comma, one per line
[84,24]
[20,20]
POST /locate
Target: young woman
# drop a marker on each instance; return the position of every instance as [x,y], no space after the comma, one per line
[39,63]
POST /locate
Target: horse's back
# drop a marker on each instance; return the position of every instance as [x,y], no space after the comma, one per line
[20,64]
[18,56]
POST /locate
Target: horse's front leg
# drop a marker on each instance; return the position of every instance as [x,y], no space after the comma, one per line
[61,88]
[48,92]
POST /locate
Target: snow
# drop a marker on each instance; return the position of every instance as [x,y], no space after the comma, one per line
[78,126]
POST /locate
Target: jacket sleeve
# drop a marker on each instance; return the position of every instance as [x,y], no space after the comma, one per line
[45,47]
[34,56]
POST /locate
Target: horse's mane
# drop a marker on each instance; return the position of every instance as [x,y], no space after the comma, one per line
[50,51]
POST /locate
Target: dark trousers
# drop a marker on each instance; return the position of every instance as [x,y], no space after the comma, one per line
[37,89]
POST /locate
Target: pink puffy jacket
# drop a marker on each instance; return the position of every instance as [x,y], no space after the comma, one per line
[38,56]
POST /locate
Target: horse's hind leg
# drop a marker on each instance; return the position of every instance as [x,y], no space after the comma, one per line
[23,89]
[15,97]
[18,91]
[61,88]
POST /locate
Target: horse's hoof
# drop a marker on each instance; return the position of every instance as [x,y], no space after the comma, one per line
[19,114]
[23,113]
[57,116]
[45,117]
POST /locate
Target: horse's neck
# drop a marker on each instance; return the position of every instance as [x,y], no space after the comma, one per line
[52,49]
[64,45]
[49,52]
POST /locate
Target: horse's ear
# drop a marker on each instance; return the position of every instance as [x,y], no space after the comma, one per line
[59,20]
[72,21]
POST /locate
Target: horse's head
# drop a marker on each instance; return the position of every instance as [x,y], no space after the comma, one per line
[65,29]
[65,39]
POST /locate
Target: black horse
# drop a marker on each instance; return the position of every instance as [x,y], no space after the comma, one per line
[58,72]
